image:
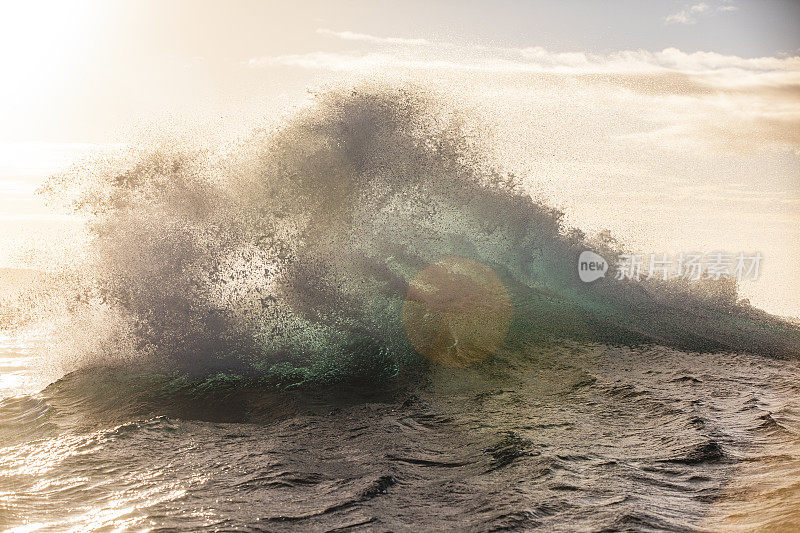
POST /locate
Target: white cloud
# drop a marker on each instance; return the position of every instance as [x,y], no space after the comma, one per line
[323,61]
[690,14]
[538,59]
[745,102]
[681,17]
[353,36]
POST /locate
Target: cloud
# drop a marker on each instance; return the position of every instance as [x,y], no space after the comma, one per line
[353,36]
[342,62]
[538,59]
[681,17]
[690,14]
[323,61]
[681,99]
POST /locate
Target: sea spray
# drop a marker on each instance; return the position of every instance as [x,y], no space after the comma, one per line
[290,253]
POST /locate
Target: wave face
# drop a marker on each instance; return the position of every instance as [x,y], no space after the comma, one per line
[290,254]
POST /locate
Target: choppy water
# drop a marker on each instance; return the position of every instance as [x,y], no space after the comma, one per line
[563,439]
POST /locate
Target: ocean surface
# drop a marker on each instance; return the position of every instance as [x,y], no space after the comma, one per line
[357,322]
[570,438]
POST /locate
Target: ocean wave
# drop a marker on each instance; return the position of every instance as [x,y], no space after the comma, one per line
[291,254]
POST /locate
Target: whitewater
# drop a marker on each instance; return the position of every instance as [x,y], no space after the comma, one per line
[356,321]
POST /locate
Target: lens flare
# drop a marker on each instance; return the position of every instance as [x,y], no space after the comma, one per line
[457,312]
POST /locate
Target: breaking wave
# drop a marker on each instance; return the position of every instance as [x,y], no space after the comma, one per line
[288,255]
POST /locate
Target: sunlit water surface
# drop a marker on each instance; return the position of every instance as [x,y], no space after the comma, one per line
[562,439]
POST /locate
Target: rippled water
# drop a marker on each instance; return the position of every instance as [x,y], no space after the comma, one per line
[580,437]
[17,359]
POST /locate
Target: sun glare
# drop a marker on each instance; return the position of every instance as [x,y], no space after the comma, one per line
[41,44]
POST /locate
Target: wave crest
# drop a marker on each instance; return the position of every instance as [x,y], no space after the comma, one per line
[291,252]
